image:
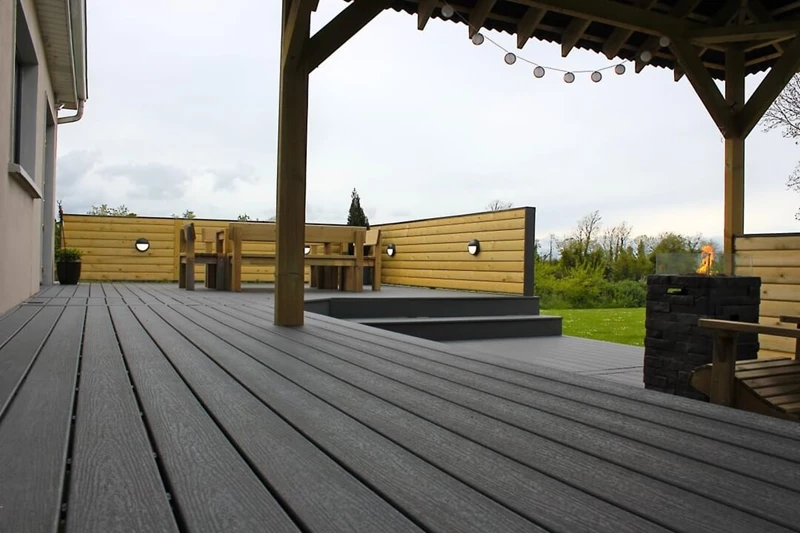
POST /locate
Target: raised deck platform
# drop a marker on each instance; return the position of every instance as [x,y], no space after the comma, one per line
[146,408]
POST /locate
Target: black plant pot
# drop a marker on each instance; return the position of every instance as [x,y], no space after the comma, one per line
[69,272]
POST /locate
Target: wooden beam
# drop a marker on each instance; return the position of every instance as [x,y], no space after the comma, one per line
[723,17]
[572,35]
[292,155]
[616,14]
[751,32]
[723,368]
[339,30]
[652,43]
[527,25]
[293,42]
[620,36]
[769,89]
[760,13]
[479,14]
[424,12]
[703,85]
[734,155]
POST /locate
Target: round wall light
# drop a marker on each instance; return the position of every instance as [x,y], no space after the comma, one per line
[142,244]
[474,247]
[306,250]
[391,250]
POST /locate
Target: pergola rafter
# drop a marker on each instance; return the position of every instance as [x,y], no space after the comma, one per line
[708,40]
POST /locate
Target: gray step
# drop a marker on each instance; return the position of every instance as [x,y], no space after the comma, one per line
[464,306]
[469,328]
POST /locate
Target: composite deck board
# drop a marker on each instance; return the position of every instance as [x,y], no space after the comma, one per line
[114,482]
[82,290]
[11,323]
[321,494]
[434,499]
[558,443]
[408,369]
[554,504]
[109,290]
[34,433]
[341,427]
[18,354]
[754,432]
[213,487]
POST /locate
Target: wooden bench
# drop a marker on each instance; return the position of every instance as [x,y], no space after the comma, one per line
[332,278]
[189,256]
[766,386]
[241,232]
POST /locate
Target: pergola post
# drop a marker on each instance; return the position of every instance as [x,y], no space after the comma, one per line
[734,154]
[292,155]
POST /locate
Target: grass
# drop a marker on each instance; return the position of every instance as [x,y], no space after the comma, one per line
[624,326]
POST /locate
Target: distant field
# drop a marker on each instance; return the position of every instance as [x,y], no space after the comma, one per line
[625,326]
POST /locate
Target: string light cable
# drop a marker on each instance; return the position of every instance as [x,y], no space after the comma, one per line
[539,70]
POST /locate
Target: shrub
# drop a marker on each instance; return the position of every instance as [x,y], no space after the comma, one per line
[68,254]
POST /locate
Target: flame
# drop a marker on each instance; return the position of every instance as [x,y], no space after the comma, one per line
[707,260]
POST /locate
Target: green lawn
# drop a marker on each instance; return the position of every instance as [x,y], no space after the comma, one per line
[625,326]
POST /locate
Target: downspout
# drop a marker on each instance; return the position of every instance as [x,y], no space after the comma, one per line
[73,118]
[79,114]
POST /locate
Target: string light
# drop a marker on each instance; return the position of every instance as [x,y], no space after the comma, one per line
[447,11]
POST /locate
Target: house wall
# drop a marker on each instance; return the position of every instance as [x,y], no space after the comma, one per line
[20,214]
[775,258]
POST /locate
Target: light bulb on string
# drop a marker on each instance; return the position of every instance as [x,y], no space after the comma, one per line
[569,77]
[538,72]
[664,41]
[646,56]
[510,59]
[477,39]
[596,76]
[620,69]
[447,11]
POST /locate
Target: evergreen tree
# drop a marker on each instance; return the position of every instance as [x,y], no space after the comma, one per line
[356,216]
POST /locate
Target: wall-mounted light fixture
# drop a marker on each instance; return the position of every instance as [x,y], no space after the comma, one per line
[474,247]
[307,250]
[142,244]
[391,250]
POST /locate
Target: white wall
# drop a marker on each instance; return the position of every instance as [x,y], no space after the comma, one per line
[20,215]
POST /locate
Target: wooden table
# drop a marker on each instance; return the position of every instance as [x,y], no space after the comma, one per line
[328,238]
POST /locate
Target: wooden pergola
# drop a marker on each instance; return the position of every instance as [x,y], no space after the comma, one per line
[707,40]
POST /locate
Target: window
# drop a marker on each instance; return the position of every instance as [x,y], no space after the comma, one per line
[25,97]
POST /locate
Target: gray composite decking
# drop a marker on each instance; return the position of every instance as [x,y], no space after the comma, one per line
[128,407]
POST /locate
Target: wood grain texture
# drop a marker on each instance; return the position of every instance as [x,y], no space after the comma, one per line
[34,433]
[545,500]
[539,439]
[211,484]
[436,500]
[114,485]
[323,495]
[18,354]
[12,322]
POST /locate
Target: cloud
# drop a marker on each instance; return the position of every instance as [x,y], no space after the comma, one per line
[423,124]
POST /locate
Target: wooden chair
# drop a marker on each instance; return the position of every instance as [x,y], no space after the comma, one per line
[372,258]
[766,386]
[189,257]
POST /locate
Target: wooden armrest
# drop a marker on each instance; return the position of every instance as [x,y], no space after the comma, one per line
[790,319]
[747,327]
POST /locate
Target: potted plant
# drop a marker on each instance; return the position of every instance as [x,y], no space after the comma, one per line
[68,265]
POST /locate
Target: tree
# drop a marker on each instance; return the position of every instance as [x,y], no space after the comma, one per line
[356,216]
[498,205]
[188,214]
[244,217]
[588,227]
[615,240]
[784,115]
[105,211]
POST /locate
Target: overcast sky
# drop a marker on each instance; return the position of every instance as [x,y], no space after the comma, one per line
[182,114]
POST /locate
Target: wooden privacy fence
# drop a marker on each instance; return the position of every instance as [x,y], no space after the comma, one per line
[775,258]
[429,253]
[433,252]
